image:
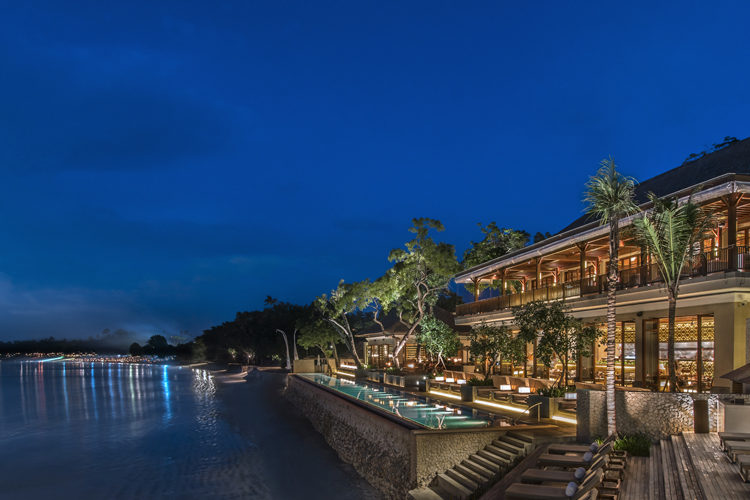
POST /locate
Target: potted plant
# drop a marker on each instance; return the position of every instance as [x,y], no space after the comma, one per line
[469,389]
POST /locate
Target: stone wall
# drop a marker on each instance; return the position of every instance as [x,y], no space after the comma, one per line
[438,451]
[380,450]
[657,414]
[389,455]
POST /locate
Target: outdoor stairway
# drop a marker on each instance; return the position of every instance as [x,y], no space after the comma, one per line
[479,470]
[688,466]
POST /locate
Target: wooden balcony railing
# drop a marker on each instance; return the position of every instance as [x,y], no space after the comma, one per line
[735,258]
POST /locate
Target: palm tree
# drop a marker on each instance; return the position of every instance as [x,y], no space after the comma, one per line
[609,197]
[669,231]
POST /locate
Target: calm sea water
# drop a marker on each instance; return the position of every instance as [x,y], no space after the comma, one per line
[97,430]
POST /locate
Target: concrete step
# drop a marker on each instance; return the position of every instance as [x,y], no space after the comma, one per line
[426,493]
[500,453]
[453,487]
[471,474]
[521,437]
[516,450]
[487,464]
[488,455]
[478,468]
[466,481]
[522,445]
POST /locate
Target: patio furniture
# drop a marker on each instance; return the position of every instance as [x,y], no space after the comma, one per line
[573,461]
[540,476]
[572,490]
[735,448]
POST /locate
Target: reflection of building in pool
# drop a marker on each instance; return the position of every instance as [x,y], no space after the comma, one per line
[379,344]
[711,336]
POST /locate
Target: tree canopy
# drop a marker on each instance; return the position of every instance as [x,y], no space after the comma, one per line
[438,338]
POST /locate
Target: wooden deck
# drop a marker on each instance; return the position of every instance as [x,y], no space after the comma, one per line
[687,467]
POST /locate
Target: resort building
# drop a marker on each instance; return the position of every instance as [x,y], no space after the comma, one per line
[712,330]
[380,343]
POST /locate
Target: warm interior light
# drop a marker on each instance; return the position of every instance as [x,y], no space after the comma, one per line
[410,365]
[351,367]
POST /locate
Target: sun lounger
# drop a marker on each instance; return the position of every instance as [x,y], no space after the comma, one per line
[573,491]
[744,462]
[563,448]
[540,476]
[573,460]
[733,436]
[735,448]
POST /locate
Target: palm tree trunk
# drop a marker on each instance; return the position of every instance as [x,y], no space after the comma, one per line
[611,326]
[670,342]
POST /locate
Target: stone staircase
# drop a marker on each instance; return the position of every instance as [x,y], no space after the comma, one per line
[478,471]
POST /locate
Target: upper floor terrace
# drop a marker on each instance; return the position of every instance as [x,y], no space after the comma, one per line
[574,262]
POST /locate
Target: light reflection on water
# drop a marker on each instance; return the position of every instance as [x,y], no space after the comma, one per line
[97,430]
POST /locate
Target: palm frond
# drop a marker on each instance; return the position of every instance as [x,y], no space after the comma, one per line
[609,194]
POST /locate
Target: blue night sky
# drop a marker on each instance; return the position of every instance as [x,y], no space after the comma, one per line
[166,164]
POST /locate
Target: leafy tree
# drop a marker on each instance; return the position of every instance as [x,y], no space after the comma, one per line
[135,349]
[491,343]
[342,305]
[669,231]
[437,338]
[560,334]
[497,242]
[539,236]
[419,276]
[609,197]
[317,333]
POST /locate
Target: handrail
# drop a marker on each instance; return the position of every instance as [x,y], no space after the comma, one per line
[527,410]
[730,258]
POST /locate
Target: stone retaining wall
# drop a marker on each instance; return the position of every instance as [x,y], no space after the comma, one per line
[656,414]
[390,456]
[380,450]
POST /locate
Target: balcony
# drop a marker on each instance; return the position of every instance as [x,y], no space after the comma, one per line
[719,260]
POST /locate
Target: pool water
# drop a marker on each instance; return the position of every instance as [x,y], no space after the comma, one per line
[424,411]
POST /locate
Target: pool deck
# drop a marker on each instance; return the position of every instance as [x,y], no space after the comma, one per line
[689,466]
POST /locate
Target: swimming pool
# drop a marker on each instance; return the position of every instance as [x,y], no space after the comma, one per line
[423,411]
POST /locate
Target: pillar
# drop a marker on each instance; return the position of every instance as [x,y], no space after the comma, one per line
[476,288]
[538,271]
[731,202]
[582,262]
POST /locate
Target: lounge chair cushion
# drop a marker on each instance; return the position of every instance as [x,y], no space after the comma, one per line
[594,447]
[588,456]
[571,489]
[579,473]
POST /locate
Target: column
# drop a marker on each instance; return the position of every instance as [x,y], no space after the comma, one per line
[731,202]
[582,262]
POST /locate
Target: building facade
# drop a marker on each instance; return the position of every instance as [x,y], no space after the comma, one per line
[712,329]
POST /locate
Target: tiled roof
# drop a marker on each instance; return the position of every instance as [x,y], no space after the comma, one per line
[734,158]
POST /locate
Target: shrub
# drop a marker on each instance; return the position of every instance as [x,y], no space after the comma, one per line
[555,392]
[394,370]
[360,373]
[477,381]
[638,445]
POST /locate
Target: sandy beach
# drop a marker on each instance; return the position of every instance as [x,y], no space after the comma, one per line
[297,462]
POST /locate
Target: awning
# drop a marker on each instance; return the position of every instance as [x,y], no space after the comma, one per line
[741,375]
